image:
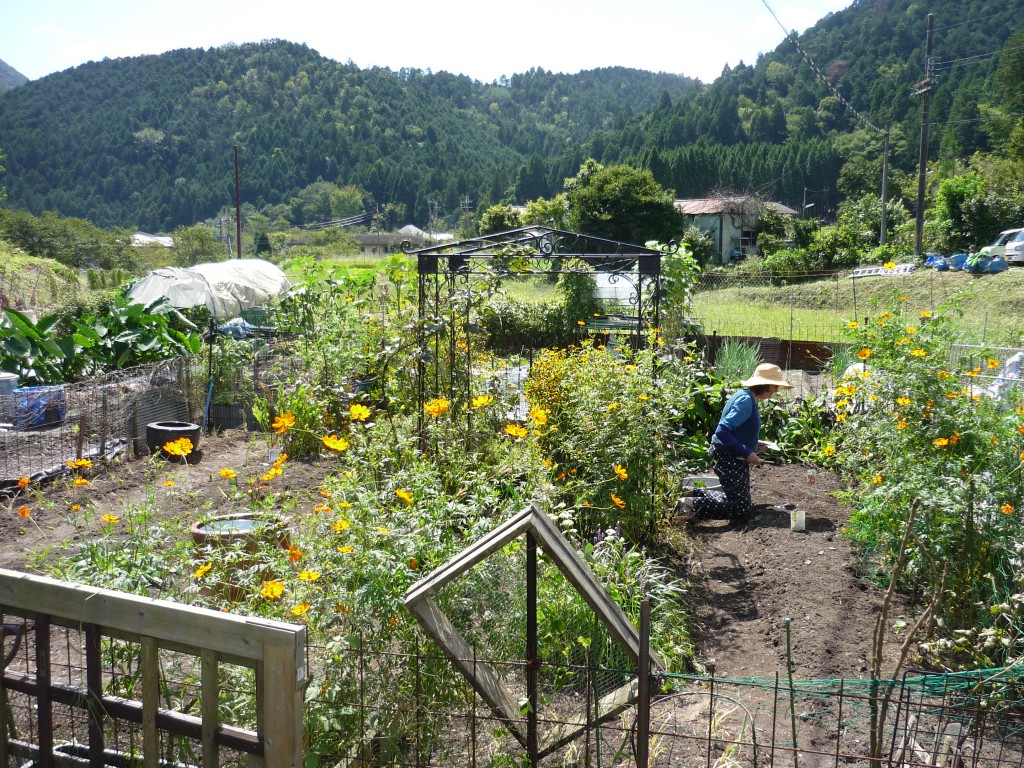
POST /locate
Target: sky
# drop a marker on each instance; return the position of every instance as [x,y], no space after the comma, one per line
[483,40]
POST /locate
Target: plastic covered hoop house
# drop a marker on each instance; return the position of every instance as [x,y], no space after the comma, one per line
[225,288]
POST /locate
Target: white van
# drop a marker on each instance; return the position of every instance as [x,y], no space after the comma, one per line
[1014,253]
[998,247]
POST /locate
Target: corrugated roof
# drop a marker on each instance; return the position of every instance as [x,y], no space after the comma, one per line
[746,206]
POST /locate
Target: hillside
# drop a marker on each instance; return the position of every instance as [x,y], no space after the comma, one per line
[147,142]
[10,77]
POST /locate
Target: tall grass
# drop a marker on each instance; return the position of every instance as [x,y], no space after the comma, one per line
[736,360]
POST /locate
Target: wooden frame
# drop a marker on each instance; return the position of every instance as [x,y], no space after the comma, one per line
[419,601]
[275,650]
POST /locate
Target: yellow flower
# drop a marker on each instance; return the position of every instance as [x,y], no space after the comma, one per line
[110,519]
[437,406]
[270,474]
[515,430]
[901,425]
[24,512]
[75,507]
[345,550]
[581,322]
[622,472]
[283,423]
[1006,509]
[23,481]
[612,406]
[345,505]
[841,417]
[481,401]
[309,575]
[853,325]
[319,508]
[404,495]
[300,609]
[973,372]
[168,483]
[993,363]
[903,400]
[889,265]
[272,589]
[877,479]
[620,503]
[864,353]
[79,482]
[358,412]
[830,450]
[539,416]
[918,352]
[335,443]
[911,330]
[885,315]
[341,524]
[79,463]
[202,570]
[925,313]
[180,447]
[940,442]
[904,298]
[383,531]
[227,473]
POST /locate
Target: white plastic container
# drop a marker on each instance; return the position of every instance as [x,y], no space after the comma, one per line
[797,520]
[8,383]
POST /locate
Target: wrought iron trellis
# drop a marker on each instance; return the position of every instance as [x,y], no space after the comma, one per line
[447,271]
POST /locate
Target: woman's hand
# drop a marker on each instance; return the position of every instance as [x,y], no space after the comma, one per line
[755,459]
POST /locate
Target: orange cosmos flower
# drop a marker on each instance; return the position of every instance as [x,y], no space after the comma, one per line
[283,423]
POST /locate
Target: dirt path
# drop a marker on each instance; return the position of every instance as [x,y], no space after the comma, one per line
[753,578]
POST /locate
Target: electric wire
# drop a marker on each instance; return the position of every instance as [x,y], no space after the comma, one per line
[792,37]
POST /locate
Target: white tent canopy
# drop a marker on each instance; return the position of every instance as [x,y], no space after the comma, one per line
[226,288]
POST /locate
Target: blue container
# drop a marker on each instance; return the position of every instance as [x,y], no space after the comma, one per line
[39,406]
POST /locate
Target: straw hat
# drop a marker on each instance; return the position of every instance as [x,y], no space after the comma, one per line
[767,373]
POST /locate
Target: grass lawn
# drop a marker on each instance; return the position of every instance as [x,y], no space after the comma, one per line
[817,309]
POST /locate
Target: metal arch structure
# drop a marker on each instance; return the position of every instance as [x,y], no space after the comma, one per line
[632,274]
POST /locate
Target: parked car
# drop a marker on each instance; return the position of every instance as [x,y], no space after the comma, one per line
[998,247]
[1014,252]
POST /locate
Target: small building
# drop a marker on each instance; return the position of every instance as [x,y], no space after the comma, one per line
[140,239]
[383,243]
[732,222]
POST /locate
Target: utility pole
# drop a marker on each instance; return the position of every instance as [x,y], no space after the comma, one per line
[238,209]
[924,90]
[882,235]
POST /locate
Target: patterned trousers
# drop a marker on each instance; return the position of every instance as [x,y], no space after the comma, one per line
[732,502]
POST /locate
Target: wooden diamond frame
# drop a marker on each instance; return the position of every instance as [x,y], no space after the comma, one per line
[532,521]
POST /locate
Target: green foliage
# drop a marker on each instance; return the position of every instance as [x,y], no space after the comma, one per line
[195,244]
[621,203]
[918,425]
[736,360]
[499,218]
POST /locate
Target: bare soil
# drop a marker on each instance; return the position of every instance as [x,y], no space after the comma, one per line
[749,579]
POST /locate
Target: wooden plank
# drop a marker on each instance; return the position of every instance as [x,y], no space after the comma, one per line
[211,716]
[150,702]
[460,653]
[282,726]
[44,703]
[94,688]
[219,631]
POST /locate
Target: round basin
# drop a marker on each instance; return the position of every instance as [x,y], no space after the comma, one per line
[159,433]
[241,528]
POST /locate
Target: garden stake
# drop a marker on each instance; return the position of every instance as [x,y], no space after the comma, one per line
[792,696]
[839,721]
[711,715]
[532,660]
[472,718]
[775,713]
[643,712]
[416,695]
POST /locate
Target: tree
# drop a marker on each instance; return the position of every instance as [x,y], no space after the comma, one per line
[499,218]
[621,203]
[194,244]
[548,213]
[1009,78]
[3,191]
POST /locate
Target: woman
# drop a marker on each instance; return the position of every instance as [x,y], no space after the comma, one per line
[734,448]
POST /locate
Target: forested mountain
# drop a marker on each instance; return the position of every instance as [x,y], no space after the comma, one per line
[785,126]
[10,77]
[147,142]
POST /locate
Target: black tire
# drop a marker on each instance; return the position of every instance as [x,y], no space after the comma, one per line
[158,433]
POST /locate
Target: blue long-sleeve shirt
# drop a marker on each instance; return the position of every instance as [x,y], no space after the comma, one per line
[740,425]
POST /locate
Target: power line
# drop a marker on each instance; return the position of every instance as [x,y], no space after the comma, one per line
[975,21]
[796,43]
